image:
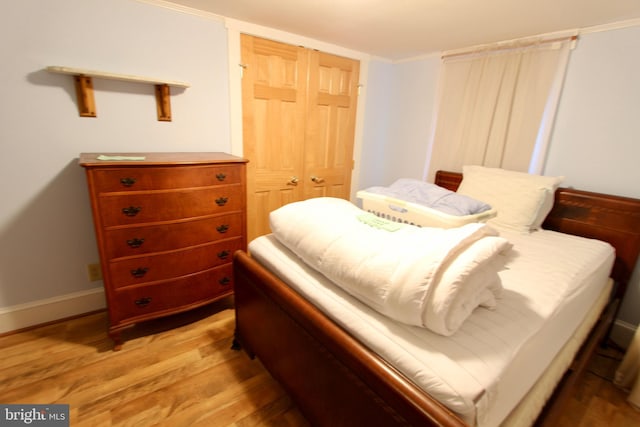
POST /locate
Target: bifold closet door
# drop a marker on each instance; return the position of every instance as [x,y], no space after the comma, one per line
[273,98]
[332,97]
[298,126]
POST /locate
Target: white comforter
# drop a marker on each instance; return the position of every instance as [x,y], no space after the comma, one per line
[428,277]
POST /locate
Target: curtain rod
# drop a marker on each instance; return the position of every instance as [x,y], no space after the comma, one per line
[514,44]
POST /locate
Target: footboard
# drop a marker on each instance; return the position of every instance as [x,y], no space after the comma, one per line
[334,380]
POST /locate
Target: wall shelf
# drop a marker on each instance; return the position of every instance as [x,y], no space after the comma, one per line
[83,80]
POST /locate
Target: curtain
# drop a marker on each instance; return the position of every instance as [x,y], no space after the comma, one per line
[628,373]
[497,105]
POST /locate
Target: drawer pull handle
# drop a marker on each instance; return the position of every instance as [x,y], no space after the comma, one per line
[142,302]
[221,177]
[224,254]
[139,272]
[131,210]
[225,281]
[222,228]
[127,182]
[222,201]
[135,242]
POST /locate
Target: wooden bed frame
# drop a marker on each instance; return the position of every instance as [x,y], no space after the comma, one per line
[337,381]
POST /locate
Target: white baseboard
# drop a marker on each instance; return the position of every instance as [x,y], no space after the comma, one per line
[47,310]
[622,333]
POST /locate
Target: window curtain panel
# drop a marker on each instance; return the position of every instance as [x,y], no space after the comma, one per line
[497,105]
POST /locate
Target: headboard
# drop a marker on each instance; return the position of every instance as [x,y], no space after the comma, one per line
[614,219]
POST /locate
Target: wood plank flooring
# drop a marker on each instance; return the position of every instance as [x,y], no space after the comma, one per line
[181,371]
[597,402]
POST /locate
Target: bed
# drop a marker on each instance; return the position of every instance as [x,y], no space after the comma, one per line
[338,375]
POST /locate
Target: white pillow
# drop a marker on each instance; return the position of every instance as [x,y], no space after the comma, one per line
[522,200]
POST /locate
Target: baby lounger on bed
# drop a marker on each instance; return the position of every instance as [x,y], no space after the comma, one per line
[426,205]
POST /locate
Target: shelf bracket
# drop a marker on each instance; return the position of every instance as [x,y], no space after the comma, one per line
[163,102]
[84,94]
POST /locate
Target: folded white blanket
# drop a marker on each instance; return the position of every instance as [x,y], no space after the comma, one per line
[428,277]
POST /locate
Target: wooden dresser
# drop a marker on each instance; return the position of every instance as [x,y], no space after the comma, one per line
[167,226]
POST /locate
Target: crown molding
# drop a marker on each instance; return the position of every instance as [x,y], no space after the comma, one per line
[184,9]
[611,26]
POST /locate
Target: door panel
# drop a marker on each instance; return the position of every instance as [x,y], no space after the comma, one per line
[331,113]
[299,110]
[273,88]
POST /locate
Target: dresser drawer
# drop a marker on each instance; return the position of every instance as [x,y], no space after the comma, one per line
[163,178]
[131,241]
[139,270]
[153,299]
[135,208]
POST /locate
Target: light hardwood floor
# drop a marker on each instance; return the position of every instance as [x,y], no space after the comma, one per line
[180,371]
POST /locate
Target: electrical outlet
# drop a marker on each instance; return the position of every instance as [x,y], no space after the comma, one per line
[94,272]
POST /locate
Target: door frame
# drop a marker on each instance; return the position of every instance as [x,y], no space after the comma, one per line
[234,29]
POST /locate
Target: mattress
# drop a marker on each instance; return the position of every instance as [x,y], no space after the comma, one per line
[483,370]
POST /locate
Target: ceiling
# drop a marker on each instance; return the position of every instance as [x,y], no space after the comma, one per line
[401,29]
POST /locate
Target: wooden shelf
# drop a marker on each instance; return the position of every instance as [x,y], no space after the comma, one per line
[83,79]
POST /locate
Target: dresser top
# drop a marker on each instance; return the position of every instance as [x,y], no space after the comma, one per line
[158,158]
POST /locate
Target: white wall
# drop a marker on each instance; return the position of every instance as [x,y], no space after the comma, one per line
[401,101]
[411,122]
[376,125]
[46,231]
[596,139]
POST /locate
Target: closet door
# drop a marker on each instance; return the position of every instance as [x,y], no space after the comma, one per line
[299,110]
[330,129]
[273,106]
